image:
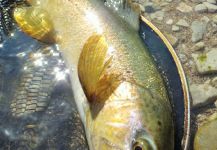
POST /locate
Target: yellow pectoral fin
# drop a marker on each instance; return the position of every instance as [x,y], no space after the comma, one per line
[92,66]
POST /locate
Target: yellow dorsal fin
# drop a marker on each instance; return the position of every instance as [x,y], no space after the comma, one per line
[97,83]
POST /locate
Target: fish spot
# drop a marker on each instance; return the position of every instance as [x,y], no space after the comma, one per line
[159,123]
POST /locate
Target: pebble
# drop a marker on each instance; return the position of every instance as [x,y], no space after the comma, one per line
[183,58]
[149,8]
[183,7]
[213,42]
[215,103]
[172,39]
[159,15]
[215,19]
[206,62]
[175,28]
[198,1]
[182,23]
[201,8]
[199,29]
[211,1]
[205,19]
[199,46]
[213,82]
[169,22]
[211,7]
[205,138]
[202,94]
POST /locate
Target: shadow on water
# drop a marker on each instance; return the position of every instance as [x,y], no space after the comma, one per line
[37,109]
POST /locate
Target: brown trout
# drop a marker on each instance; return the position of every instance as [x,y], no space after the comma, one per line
[119,92]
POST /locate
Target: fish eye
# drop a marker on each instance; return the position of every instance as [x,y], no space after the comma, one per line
[138,146]
[143,141]
[142,144]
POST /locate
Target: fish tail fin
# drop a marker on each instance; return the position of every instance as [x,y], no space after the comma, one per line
[93,64]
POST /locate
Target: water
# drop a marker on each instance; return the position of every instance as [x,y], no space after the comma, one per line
[37,109]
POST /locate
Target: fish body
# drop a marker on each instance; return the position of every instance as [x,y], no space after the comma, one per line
[119,92]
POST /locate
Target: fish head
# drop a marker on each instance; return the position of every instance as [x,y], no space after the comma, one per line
[121,124]
[122,137]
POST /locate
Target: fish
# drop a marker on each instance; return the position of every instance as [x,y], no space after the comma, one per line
[35,22]
[43,113]
[118,89]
